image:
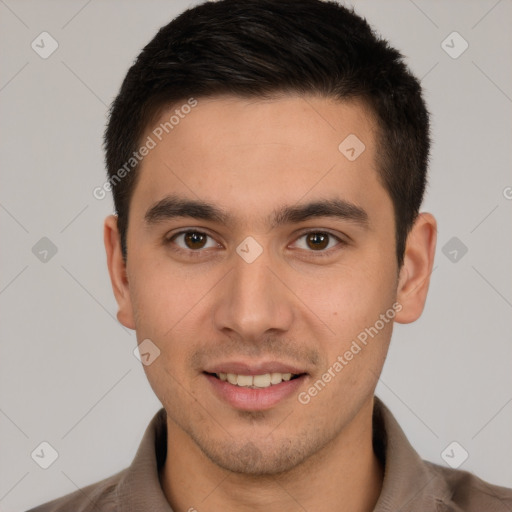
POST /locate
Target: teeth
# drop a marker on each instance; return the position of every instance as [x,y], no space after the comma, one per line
[276,378]
[244,380]
[261,381]
[255,381]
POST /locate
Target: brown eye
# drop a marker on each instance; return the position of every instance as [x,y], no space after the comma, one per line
[192,240]
[320,242]
[317,241]
[195,240]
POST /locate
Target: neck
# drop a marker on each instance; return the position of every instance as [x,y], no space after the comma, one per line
[344,475]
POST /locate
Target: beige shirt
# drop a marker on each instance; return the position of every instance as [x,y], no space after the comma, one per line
[410,484]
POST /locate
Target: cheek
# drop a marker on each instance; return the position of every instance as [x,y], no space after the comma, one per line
[356,303]
[358,306]
[353,295]
[161,314]
[361,312]
[160,296]
[168,306]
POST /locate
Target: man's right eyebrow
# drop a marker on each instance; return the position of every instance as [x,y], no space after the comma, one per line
[171,207]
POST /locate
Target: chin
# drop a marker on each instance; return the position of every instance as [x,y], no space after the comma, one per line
[254,458]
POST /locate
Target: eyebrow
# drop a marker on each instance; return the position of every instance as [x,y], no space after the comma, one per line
[337,208]
[173,207]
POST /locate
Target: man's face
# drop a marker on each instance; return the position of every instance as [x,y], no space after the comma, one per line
[261,284]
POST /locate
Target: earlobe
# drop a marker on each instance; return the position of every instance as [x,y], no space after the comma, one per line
[414,278]
[117,271]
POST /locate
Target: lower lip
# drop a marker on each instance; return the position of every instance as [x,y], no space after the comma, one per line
[250,399]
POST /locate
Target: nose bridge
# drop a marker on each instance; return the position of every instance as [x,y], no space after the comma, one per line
[253,300]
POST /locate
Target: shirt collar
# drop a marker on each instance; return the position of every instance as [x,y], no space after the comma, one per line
[139,490]
[409,483]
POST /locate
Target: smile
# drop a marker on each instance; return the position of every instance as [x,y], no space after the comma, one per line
[256,381]
[256,392]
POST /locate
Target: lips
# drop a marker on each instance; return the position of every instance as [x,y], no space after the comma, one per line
[256,386]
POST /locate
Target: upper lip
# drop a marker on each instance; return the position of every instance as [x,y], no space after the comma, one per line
[240,368]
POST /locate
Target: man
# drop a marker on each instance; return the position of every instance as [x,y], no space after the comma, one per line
[268,161]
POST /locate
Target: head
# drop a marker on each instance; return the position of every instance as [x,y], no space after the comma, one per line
[257,49]
[272,217]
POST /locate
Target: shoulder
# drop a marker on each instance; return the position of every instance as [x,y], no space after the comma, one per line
[468,493]
[100,496]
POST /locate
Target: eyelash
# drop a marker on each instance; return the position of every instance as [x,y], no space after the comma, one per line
[197,252]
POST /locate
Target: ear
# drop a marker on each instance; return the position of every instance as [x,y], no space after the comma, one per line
[414,278]
[117,271]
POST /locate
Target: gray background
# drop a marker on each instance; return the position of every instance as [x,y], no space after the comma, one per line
[68,375]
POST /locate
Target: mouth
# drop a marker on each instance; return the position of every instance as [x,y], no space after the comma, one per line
[261,381]
[255,389]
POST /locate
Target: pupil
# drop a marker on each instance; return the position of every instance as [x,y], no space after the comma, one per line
[318,240]
[195,240]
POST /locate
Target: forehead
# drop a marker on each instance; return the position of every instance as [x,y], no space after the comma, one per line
[280,119]
[251,153]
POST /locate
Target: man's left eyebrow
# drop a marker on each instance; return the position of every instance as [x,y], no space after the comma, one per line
[338,208]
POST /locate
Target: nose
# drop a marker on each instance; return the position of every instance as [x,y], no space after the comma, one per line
[253,302]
